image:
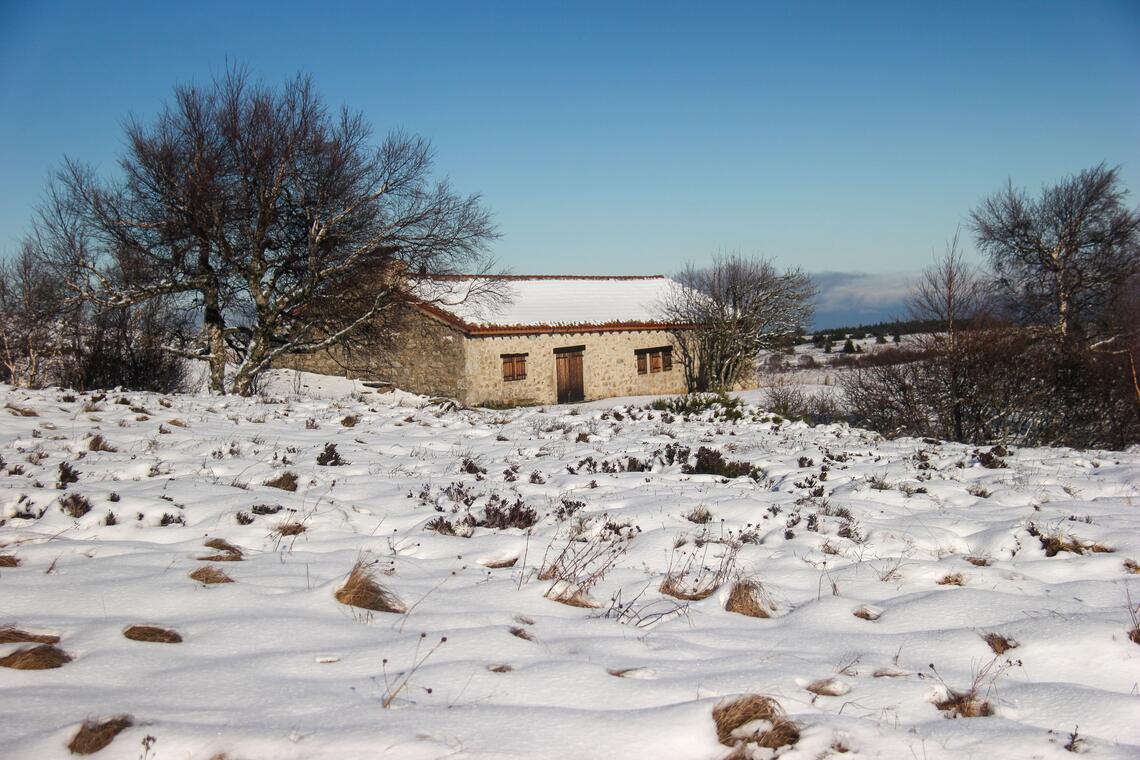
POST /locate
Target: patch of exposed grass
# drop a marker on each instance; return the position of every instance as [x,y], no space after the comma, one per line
[521,633]
[952,579]
[21,411]
[94,735]
[1056,541]
[775,730]
[208,575]
[362,590]
[153,634]
[965,704]
[43,657]
[828,687]
[9,560]
[497,564]
[286,481]
[998,643]
[567,593]
[12,635]
[227,552]
[289,528]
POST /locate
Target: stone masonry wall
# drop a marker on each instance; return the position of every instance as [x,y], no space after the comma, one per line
[427,357]
[609,366]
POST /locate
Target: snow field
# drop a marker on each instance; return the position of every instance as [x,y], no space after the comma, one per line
[933,549]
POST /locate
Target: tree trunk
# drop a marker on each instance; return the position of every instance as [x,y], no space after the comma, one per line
[215,326]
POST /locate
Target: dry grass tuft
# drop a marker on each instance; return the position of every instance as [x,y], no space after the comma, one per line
[674,586]
[1134,635]
[153,634]
[286,481]
[289,529]
[1057,541]
[21,411]
[99,443]
[700,515]
[998,643]
[8,560]
[1131,566]
[965,704]
[93,736]
[732,715]
[43,657]
[12,635]
[568,594]
[890,672]
[748,597]
[828,687]
[207,575]
[952,579]
[979,561]
[227,551]
[522,633]
[362,590]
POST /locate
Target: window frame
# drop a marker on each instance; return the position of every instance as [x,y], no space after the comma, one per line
[655,360]
[513,367]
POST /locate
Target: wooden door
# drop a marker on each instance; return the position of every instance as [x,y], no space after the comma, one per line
[571,388]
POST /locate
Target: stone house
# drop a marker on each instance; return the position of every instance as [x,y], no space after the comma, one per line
[551,339]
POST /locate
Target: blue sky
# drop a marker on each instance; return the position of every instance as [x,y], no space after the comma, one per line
[629,138]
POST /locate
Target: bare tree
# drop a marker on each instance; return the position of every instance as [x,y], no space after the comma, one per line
[729,311]
[274,219]
[30,312]
[1059,257]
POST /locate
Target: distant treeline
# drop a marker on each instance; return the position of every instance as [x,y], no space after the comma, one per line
[898,327]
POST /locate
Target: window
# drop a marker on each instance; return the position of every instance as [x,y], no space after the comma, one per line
[514,367]
[651,360]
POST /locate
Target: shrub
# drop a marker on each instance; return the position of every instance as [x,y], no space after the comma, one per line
[67,475]
[286,481]
[712,462]
[499,516]
[330,457]
[74,505]
[698,403]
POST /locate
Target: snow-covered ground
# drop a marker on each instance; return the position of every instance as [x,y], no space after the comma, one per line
[882,567]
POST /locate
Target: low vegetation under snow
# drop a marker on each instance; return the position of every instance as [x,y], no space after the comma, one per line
[196,576]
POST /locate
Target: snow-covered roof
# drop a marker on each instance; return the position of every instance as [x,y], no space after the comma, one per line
[532,303]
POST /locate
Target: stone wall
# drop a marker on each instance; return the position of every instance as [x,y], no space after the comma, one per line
[609,366]
[426,356]
[434,358]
